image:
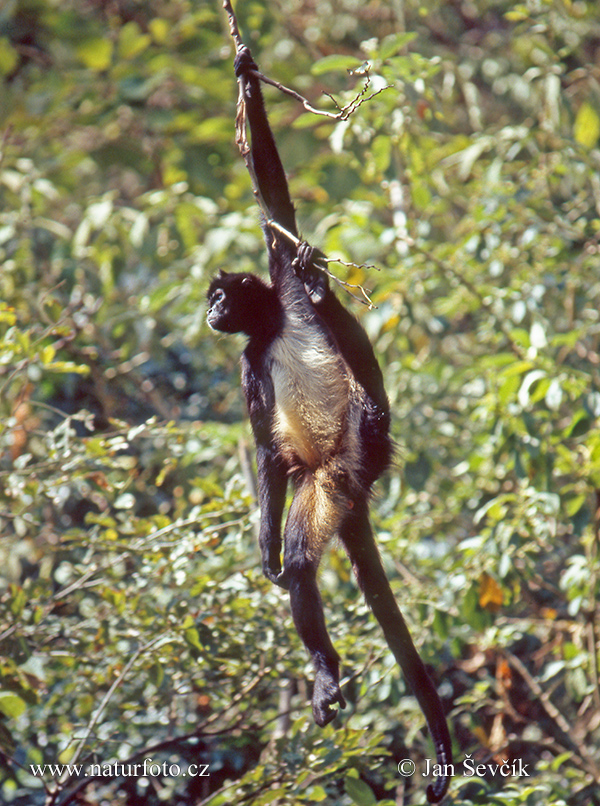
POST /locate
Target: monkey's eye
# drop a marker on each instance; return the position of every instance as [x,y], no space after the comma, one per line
[217,296]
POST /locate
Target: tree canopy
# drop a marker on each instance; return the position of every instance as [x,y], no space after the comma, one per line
[135,625]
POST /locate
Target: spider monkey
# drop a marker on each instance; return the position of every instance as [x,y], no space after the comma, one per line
[320,417]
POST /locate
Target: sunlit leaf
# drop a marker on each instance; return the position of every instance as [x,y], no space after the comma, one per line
[96,53]
[586,128]
[11,705]
[132,41]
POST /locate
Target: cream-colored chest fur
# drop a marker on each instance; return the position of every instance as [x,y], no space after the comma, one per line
[311,391]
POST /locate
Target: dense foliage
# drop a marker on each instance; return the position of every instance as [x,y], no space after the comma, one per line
[134,622]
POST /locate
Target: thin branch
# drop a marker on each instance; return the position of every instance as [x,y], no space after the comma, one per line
[233,26]
[175,741]
[555,715]
[241,140]
[343,112]
[317,263]
[107,697]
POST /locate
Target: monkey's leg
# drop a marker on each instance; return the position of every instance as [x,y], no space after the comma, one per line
[307,611]
[302,552]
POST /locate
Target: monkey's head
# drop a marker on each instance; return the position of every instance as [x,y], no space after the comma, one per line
[241,303]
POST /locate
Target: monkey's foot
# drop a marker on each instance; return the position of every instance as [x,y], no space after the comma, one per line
[326,693]
[315,282]
[304,259]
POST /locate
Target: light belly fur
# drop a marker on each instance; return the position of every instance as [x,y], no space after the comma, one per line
[311,394]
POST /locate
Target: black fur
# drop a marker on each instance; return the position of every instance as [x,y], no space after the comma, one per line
[320,416]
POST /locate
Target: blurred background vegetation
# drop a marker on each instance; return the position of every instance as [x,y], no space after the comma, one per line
[134,621]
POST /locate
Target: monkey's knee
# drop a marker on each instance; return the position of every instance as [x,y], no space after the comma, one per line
[301,557]
[277,576]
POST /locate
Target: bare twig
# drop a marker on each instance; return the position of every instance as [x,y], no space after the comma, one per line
[233,26]
[107,697]
[343,112]
[555,715]
[366,300]
[174,742]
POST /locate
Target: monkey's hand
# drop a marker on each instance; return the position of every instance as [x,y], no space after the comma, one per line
[244,62]
[326,693]
[315,281]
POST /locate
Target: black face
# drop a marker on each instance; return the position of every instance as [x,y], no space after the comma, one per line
[240,303]
[221,314]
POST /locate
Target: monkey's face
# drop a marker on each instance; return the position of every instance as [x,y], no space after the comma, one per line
[218,315]
[237,303]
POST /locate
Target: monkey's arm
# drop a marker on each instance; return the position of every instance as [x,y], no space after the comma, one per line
[272,484]
[272,475]
[272,183]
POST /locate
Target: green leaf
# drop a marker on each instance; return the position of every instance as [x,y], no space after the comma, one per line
[394,43]
[11,705]
[192,638]
[156,674]
[47,354]
[573,505]
[530,379]
[441,623]
[359,791]
[304,121]
[96,54]
[7,314]
[132,41]
[318,794]
[336,62]
[517,14]
[580,422]
[159,28]
[9,57]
